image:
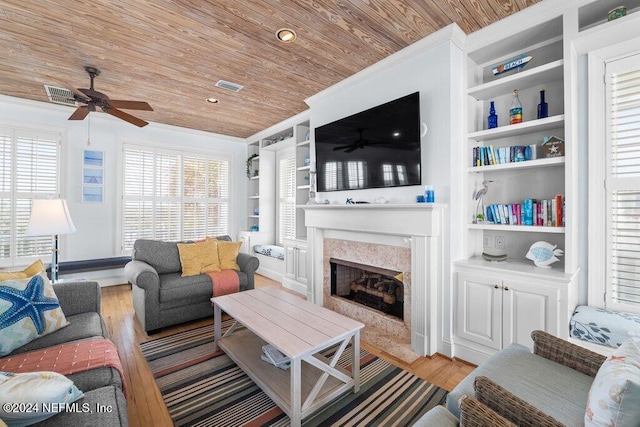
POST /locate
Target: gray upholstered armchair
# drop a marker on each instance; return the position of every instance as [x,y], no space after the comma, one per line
[161,296]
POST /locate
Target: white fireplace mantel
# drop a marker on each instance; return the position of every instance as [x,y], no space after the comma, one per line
[422,222]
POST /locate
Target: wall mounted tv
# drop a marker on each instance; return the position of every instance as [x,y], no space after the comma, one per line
[375,148]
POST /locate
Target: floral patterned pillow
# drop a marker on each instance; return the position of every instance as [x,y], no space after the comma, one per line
[614,398]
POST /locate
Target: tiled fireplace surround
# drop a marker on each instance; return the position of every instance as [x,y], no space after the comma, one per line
[405,238]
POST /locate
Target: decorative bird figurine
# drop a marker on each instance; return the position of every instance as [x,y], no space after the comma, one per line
[543,254]
[479,196]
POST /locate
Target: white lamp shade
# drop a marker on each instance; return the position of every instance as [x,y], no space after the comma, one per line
[49,217]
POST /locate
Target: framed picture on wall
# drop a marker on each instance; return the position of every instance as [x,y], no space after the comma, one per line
[92,176]
[93,158]
[92,194]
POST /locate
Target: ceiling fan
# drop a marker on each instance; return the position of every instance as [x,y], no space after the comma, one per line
[92,98]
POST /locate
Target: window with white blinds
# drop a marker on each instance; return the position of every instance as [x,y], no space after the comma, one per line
[29,165]
[623,183]
[173,195]
[286,196]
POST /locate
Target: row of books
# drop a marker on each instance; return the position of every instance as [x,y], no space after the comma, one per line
[488,155]
[544,213]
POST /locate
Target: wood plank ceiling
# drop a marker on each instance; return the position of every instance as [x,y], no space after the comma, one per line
[171,53]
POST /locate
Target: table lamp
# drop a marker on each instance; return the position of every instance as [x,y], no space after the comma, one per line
[50,217]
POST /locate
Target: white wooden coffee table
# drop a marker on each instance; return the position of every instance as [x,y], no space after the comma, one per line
[298,329]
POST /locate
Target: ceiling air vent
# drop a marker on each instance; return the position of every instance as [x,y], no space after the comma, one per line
[234,87]
[60,95]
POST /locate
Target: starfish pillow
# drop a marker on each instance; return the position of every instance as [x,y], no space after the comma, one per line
[29,309]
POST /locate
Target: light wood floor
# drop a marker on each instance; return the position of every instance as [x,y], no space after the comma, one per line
[145,405]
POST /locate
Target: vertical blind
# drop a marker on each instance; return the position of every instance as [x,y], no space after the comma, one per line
[623,182]
[29,165]
[173,195]
[286,197]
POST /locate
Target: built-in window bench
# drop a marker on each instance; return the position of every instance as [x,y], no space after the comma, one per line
[103,270]
[602,330]
[271,261]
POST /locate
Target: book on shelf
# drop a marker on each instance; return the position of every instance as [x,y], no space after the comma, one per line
[283,366]
[543,213]
[272,355]
[489,155]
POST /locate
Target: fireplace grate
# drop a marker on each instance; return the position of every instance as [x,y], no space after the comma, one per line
[373,287]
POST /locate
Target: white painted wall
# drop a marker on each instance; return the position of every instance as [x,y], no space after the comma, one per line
[434,68]
[97,223]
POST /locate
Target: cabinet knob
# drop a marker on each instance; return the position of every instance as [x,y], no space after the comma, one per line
[496,286]
[506,288]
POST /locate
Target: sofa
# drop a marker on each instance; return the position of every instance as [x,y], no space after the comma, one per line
[80,302]
[161,296]
[547,386]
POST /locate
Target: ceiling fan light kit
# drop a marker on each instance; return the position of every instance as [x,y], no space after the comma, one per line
[92,98]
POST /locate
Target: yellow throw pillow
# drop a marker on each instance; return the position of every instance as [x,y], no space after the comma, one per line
[198,258]
[35,268]
[228,253]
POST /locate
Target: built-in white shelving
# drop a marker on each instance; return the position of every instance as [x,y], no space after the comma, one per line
[524,79]
[527,228]
[510,131]
[537,163]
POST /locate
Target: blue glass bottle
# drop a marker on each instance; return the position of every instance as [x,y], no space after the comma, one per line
[492,120]
[543,107]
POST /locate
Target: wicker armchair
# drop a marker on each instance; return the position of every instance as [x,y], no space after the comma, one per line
[518,411]
[548,386]
[475,414]
[568,354]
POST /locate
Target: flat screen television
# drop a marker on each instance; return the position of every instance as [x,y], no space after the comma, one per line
[378,147]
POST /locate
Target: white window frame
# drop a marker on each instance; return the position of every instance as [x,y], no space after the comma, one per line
[165,147]
[62,135]
[597,193]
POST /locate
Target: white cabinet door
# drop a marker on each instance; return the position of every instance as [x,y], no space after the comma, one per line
[301,264]
[525,308]
[478,309]
[290,261]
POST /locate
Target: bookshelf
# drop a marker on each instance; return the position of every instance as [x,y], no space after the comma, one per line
[497,303]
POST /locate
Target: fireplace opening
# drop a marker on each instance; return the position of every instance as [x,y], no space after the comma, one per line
[377,288]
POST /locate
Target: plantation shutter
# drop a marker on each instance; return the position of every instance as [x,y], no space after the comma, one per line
[168,209]
[138,196]
[5,195]
[623,183]
[286,196]
[218,197]
[195,208]
[29,165]
[172,195]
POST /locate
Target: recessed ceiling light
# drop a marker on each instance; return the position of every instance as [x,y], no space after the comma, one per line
[213,100]
[286,35]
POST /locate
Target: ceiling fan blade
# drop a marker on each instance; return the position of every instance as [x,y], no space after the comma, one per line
[80,113]
[76,92]
[130,105]
[126,117]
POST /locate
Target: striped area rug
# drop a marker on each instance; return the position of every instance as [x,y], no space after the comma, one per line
[205,388]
